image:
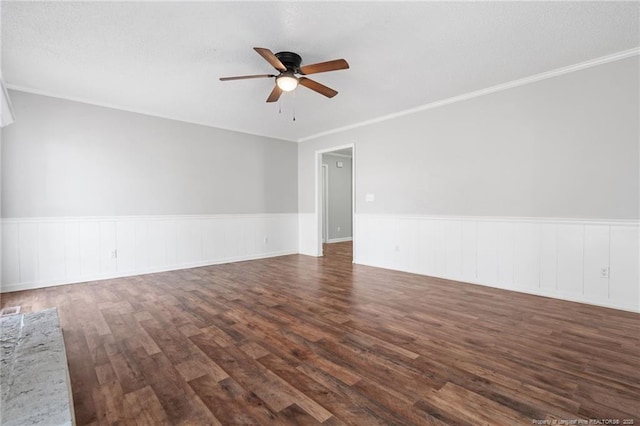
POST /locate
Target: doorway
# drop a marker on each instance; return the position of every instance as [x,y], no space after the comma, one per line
[336,172]
[325,203]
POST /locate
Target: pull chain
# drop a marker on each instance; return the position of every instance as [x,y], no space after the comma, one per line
[279,106]
[294,105]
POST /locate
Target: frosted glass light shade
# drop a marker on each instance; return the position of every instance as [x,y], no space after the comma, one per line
[287,82]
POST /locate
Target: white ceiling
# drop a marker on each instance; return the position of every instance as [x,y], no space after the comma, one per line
[165,58]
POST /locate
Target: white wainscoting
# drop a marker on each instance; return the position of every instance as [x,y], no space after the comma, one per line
[308,234]
[555,258]
[41,252]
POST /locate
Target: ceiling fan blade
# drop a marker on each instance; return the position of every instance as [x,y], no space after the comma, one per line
[271,58]
[337,64]
[275,94]
[245,77]
[317,87]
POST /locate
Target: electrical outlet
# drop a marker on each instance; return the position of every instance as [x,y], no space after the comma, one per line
[266,240]
[339,229]
[397,248]
[113,254]
[604,272]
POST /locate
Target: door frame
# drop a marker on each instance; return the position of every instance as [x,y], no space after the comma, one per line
[325,203]
[318,194]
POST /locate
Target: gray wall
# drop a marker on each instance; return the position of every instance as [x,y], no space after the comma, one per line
[567,146]
[340,197]
[64,158]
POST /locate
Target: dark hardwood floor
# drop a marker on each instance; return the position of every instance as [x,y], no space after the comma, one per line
[303,340]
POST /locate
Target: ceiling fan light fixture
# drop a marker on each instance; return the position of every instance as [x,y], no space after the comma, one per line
[287,81]
[288,64]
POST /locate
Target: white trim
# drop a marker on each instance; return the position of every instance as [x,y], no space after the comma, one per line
[325,203]
[136,111]
[497,88]
[339,240]
[52,283]
[339,155]
[318,191]
[64,219]
[353,202]
[6,117]
[515,83]
[559,220]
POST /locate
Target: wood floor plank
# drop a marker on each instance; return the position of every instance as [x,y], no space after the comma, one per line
[395,402]
[105,374]
[230,403]
[242,368]
[354,397]
[303,340]
[109,401]
[297,416]
[169,388]
[349,413]
[145,408]
[82,376]
[125,366]
[476,408]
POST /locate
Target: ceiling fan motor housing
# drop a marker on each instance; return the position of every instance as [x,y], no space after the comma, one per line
[290,60]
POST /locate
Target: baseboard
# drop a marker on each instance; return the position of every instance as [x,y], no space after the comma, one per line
[532,292]
[339,240]
[52,283]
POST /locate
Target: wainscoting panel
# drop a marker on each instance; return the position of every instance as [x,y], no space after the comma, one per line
[108,246]
[505,249]
[10,258]
[40,252]
[90,249]
[487,251]
[548,256]
[71,253]
[596,255]
[469,251]
[51,250]
[27,251]
[526,256]
[308,234]
[594,262]
[425,263]
[624,255]
[570,258]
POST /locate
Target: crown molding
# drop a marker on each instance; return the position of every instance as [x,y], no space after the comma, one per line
[135,111]
[509,85]
[493,89]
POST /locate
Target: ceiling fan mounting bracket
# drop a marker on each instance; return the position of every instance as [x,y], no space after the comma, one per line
[290,60]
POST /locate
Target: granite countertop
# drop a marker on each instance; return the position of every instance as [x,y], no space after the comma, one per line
[34,377]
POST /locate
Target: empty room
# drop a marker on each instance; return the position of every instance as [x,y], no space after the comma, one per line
[341,213]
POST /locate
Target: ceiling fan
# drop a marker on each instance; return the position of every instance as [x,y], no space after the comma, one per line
[289,64]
